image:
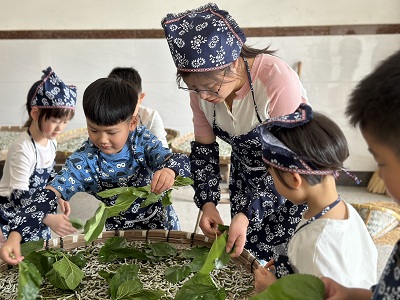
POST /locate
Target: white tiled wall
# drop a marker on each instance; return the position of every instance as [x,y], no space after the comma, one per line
[331,67]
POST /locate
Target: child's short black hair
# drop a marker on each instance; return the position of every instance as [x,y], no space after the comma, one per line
[320,142]
[129,74]
[109,101]
[374,104]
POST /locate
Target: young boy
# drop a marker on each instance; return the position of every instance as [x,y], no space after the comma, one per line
[117,154]
[375,106]
[147,116]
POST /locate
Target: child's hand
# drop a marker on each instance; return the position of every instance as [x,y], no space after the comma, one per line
[270,265]
[11,251]
[162,180]
[263,278]
[59,223]
[64,206]
[336,291]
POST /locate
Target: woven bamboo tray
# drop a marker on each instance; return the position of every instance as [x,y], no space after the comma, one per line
[378,217]
[182,145]
[66,140]
[246,259]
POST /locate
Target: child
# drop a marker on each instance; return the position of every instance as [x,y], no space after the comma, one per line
[147,116]
[31,157]
[305,152]
[375,106]
[117,154]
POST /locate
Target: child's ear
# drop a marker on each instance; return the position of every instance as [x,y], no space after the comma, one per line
[296,180]
[35,113]
[133,122]
[141,97]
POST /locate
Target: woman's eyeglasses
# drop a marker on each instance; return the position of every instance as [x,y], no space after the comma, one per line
[198,91]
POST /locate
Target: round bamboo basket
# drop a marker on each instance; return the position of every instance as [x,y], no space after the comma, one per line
[4,145]
[182,145]
[379,219]
[63,152]
[246,259]
[376,185]
[171,135]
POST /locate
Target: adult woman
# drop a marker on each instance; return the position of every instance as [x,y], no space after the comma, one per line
[233,89]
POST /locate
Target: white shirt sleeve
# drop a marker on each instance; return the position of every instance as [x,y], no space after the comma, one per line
[19,165]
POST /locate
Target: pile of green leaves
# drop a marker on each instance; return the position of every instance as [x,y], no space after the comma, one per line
[63,271]
[126,197]
[294,287]
[199,286]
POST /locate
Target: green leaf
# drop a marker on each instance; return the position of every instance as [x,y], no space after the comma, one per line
[194,251]
[29,281]
[112,192]
[116,248]
[43,260]
[106,275]
[177,273]
[78,259]
[32,246]
[200,286]
[216,252]
[123,202]
[182,181]
[162,249]
[198,262]
[78,224]
[166,199]
[222,260]
[294,287]
[94,226]
[151,199]
[146,295]
[123,274]
[128,289]
[223,228]
[65,274]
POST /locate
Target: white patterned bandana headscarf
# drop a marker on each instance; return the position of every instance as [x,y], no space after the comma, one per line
[203,39]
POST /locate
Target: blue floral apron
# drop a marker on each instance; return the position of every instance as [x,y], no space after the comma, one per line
[38,179]
[272,218]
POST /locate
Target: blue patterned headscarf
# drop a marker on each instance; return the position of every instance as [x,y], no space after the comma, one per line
[203,39]
[52,92]
[276,154]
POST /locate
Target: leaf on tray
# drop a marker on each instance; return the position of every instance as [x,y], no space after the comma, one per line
[294,287]
[29,281]
[31,246]
[65,274]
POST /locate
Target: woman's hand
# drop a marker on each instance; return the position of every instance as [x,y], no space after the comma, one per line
[11,250]
[263,278]
[162,180]
[237,234]
[59,223]
[210,219]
